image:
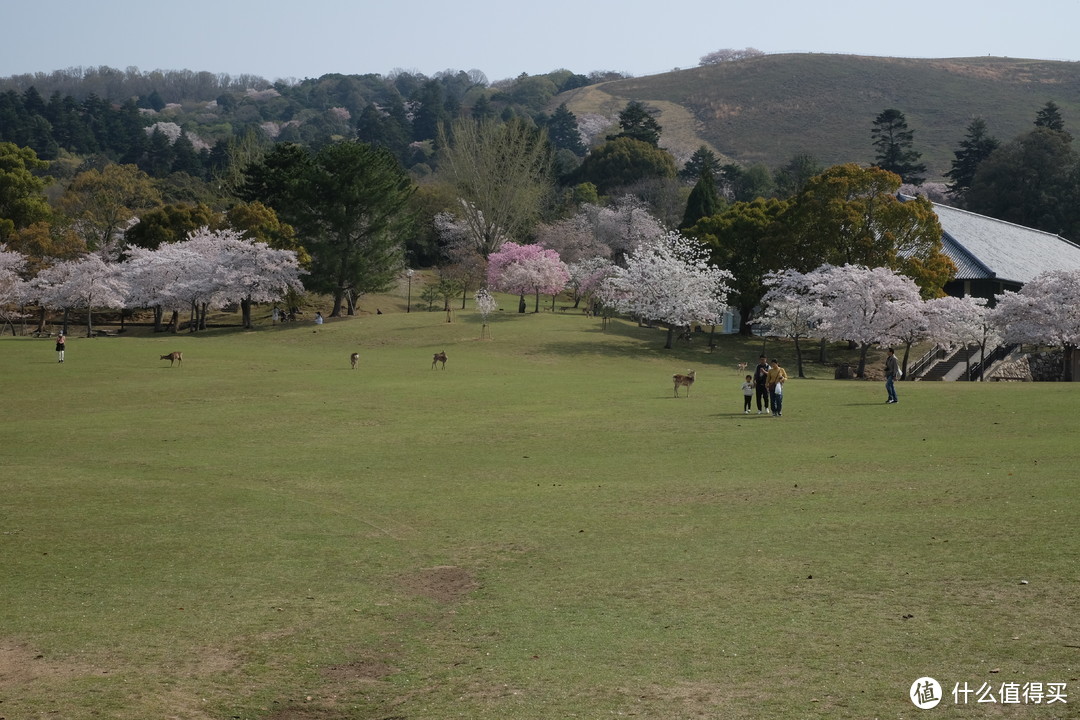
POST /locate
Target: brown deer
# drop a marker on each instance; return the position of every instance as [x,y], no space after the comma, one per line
[683,381]
[440,357]
[354,358]
[174,357]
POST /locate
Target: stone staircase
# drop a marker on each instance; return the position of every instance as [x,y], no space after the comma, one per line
[951,365]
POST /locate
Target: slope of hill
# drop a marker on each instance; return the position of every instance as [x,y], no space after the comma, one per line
[768,109]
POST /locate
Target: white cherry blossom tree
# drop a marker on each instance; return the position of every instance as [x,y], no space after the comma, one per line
[485,305]
[863,305]
[961,322]
[12,287]
[668,280]
[86,283]
[789,309]
[1045,311]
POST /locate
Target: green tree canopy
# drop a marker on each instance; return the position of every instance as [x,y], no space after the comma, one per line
[1030,181]
[742,239]
[22,199]
[169,224]
[101,203]
[349,205]
[852,215]
[622,162]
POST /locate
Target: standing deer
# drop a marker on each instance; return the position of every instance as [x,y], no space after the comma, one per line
[174,357]
[683,381]
[440,357]
[354,358]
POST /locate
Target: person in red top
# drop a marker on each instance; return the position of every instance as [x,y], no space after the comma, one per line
[60,342]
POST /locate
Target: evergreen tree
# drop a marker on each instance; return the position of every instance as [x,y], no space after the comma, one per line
[638,124]
[974,148]
[704,201]
[158,160]
[893,141]
[185,158]
[563,131]
[1049,117]
[431,113]
[702,161]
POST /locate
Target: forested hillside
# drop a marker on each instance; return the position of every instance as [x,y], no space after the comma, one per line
[362,176]
[770,108]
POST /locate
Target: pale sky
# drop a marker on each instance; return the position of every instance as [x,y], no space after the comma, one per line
[301,39]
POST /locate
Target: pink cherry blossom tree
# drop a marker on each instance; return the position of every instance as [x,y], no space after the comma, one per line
[668,280]
[586,277]
[521,269]
[863,305]
[1045,311]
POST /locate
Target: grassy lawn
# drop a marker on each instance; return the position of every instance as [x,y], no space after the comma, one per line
[541,530]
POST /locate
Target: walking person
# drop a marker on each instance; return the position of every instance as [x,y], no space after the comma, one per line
[892,373]
[761,374]
[61,341]
[775,381]
[748,393]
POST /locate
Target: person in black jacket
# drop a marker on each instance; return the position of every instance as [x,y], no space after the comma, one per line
[761,372]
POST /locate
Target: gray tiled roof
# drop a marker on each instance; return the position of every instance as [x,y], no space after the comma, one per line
[983,247]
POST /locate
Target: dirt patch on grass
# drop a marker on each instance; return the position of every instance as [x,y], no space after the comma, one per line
[360,670]
[21,664]
[444,583]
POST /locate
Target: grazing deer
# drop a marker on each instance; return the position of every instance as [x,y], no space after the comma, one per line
[683,381]
[354,358]
[440,357]
[174,357]
[742,367]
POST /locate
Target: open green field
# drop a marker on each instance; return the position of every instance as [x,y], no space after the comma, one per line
[538,531]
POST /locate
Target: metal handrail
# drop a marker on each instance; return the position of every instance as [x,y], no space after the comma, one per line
[999,353]
[938,352]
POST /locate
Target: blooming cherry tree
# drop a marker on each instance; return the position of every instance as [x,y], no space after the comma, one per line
[863,305]
[789,311]
[85,283]
[961,322]
[586,277]
[1046,310]
[520,269]
[668,280]
[485,305]
[12,286]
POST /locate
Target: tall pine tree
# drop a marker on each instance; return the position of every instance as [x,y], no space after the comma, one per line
[894,141]
[974,148]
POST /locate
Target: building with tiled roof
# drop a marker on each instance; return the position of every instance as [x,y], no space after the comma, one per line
[993,256]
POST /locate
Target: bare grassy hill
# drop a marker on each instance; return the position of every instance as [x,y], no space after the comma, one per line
[768,109]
